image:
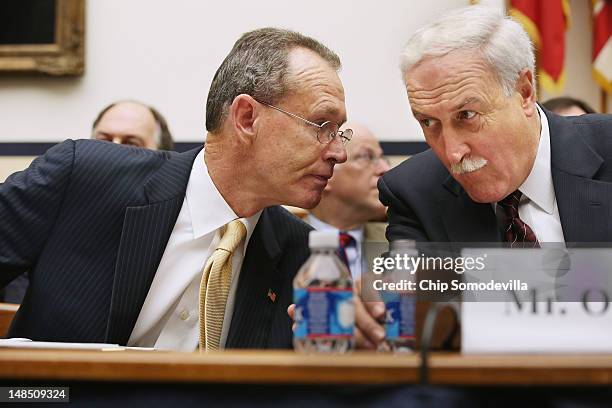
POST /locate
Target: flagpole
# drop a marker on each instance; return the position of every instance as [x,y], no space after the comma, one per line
[603,93]
[603,97]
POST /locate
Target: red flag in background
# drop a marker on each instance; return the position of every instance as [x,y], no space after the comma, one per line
[545,21]
[602,43]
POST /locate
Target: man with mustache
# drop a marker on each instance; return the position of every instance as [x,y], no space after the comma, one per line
[189,250]
[472,89]
[500,167]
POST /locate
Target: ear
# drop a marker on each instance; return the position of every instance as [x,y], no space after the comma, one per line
[243,114]
[525,88]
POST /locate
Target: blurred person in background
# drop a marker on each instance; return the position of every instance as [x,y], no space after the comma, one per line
[133,123]
[123,122]
[568,106]
[350,199]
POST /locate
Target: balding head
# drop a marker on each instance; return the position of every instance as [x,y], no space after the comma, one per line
[132,123]
[361,134]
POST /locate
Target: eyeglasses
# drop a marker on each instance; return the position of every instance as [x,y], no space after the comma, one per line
[370,159]
[326,132]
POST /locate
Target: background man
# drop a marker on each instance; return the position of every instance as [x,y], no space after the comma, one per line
[567,106]
[133,123]
[124,122]
[146,248]
[350,199]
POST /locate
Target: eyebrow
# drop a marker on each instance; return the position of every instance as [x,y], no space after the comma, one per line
[331,111]
[466,102]
[460,106]
[126,136]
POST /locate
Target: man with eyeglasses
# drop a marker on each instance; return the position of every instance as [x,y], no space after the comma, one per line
[350,199]
[183,251]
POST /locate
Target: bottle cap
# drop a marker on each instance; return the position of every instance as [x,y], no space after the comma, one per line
[323,240]
[403,245]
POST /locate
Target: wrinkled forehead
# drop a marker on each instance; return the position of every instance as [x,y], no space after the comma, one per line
[450,78]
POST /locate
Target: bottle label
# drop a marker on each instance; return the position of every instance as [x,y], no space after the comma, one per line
[323,313]
[400,318]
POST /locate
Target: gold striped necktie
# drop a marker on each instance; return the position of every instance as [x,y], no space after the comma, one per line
[215,285]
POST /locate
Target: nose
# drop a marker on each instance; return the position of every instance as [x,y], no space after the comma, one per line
[335,151]
[117,140]
[455,148]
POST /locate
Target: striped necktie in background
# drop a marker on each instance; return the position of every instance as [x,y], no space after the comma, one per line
[346,241]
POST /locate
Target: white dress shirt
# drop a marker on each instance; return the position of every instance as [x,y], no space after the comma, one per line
[538,205]
[169,318]
[353,254]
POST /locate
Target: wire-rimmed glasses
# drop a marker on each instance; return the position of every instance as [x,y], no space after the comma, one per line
[326,132]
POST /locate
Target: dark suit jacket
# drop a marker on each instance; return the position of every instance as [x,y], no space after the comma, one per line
[427,204]
[90,220]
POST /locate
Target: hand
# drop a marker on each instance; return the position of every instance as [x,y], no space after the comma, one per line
[291,312]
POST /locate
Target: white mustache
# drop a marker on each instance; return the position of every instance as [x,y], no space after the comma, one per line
[468,165]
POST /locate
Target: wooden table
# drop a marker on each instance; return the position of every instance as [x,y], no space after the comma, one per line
[286,367]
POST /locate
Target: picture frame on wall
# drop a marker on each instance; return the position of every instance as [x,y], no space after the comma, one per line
[42,37]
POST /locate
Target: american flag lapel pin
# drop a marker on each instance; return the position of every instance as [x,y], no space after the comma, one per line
[271,295]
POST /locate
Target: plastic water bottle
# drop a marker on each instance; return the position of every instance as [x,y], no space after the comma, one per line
[323,296]
[400,305]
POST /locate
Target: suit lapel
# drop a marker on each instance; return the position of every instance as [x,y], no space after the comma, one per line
[465,220]
[583,207]
[253,307]
[146,229]
[583,202]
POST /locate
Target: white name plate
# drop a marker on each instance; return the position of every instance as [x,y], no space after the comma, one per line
[540,327]
[565,304]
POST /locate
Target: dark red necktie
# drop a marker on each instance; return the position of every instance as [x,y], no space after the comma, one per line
[346,241]
[516,231]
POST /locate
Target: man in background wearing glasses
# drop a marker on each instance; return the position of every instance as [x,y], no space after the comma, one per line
[190,250]
[350,199]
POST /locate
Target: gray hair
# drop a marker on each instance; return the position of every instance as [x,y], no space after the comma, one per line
[258,65]
[503,43]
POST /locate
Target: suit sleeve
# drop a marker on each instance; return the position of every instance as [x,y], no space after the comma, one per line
[403,222]
[30,201]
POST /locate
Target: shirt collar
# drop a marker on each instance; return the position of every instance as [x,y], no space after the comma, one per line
[207,208]
[538,187]
[356,233]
